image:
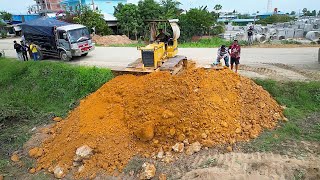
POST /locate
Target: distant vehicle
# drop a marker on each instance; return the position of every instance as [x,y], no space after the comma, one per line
[58,39]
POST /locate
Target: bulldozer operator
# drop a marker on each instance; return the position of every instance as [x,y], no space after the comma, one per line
[162,37]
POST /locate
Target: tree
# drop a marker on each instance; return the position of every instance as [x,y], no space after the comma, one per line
[314,13]
[217,7]
[304,10]
[216,14]
[5,16]
[92,19]
[170,9]
[129,19]
[244,16]
[275,19]
[149,9]
[293,13]
[196,21]
[117,8]
[319,13]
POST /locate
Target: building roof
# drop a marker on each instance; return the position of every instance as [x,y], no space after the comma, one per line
[270,13]
[236,20]
[71,27]
[109,17]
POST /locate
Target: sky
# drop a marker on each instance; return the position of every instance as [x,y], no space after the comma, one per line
[243,6]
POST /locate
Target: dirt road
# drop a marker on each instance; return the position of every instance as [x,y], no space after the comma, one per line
[275,63]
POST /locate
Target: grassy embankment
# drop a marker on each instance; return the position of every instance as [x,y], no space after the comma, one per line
[34,92]
[301,99]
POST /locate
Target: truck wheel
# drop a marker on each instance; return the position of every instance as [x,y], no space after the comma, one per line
[64,56]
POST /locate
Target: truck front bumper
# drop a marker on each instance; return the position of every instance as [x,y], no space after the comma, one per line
[84,50]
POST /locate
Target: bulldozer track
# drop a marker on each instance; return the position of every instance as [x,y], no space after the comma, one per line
[307,73]
[259,70]
[251,166]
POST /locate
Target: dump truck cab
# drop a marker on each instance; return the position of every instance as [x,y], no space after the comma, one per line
[58,39]
[73,40]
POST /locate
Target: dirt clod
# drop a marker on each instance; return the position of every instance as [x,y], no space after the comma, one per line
[162,177]
[83,152]
[193,148]
[229,149]
[58,172]
[179,147]
[146,131]
[57,119]
[36,152]
[32,170]
[148,171]
[15,158]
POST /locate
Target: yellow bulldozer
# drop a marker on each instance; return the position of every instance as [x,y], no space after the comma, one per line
[160,55]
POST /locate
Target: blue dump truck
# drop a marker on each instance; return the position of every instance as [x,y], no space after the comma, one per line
[58,39]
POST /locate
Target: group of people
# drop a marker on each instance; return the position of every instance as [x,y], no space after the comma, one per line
[233,51]
[23,49]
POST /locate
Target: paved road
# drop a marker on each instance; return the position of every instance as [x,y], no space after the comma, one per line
[119,57]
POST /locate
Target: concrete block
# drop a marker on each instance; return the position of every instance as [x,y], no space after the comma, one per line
[298,33]
[289,33]
[308,27]
[281,32]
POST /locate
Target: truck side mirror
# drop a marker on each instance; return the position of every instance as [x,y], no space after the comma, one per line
[64,35]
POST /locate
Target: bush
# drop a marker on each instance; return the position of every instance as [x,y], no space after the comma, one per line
[217,30]
[275,19]
[290,42]
[3,34]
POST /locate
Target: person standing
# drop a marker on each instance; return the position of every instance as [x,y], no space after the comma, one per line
[18,49]
[162,37]
[223,53]
[24,51]
[34,51]
[235,51]
[250,35]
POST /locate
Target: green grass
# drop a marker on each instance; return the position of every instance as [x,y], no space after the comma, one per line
[205,43]
[34,92]
[301,100]
[202,43]
[290,42]
[213,42]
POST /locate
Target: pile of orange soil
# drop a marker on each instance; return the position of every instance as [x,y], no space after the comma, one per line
[133,115]
[111,39]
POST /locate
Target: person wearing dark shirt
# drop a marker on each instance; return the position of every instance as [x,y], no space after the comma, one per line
[18,49]
[24,51]
[250,35]
[162,37]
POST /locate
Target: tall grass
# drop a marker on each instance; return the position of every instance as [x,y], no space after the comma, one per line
[300,99]
[34,92]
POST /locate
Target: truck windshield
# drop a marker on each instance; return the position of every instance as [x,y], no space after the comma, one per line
[78,35]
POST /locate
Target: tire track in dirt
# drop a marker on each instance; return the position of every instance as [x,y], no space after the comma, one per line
[307,73]
[252,166]
[278,71]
